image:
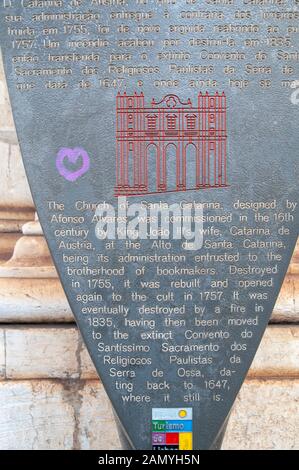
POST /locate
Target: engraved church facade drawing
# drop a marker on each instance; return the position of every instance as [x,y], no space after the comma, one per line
[170,145]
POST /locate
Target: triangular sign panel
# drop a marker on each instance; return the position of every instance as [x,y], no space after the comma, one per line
[160,141]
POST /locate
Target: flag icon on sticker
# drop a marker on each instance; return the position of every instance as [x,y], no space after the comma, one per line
[172,429]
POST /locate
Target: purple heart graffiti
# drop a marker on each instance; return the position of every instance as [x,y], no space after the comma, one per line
[72,156]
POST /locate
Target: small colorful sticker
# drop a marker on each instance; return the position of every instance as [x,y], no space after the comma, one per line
[172,429]
[71,157]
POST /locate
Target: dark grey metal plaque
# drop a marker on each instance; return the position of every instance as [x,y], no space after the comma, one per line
[160,140]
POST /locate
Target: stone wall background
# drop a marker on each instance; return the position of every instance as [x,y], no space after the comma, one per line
[50,396]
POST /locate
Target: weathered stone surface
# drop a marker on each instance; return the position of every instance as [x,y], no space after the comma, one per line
[31,258]
[265,416]
[278,353]
[7,244]
[96,425]
[294,265]
[33,300]
[55,415]
[36,415]
[42,352]
[286,309]
[14,189]
[2,355]
[31,251]
[13,214]
[58,352]
[31,351]
[6,119]
[76,414]
[11,226]
[32,228]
